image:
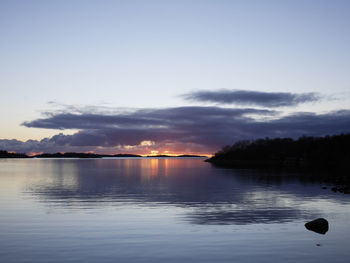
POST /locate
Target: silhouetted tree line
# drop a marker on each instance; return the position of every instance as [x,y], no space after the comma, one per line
[305,152]
[6,154]
[68,155]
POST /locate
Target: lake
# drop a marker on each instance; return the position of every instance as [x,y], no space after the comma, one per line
[164,210]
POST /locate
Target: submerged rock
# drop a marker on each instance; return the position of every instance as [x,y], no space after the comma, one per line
[319,225]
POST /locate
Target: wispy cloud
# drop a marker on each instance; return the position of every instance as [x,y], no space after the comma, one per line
[258,98]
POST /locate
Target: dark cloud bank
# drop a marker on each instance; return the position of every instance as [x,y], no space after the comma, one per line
[187,129]
[244,97]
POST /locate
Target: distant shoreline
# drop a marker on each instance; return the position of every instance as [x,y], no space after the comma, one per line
[73,155]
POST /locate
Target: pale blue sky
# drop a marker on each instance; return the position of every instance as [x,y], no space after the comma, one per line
[146,53]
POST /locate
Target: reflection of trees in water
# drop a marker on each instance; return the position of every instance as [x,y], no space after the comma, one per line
[208,195]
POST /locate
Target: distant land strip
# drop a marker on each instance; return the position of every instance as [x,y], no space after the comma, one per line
[6,154]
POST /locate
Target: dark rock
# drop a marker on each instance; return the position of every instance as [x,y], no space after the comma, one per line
[324,187]
[319,225]
[334,189]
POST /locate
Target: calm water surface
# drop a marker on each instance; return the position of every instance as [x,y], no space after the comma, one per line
[163,210]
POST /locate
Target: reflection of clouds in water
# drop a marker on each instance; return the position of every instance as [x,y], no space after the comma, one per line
[247,216]
[257,207]
[208,195]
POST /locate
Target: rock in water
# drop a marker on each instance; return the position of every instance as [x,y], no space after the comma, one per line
[319,225]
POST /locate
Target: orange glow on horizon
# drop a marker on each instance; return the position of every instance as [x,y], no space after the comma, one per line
[35,153]
[168,153]
[143,154]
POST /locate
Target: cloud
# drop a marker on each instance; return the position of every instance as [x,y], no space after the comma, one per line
[245,97]
[180,129]
[181,124]
[139,119]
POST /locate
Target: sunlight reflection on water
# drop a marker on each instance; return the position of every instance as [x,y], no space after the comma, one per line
[150,210]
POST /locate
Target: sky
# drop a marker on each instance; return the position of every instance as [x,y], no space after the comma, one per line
[170,76]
